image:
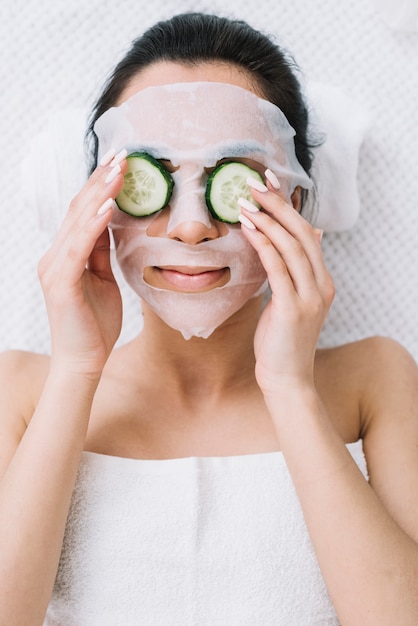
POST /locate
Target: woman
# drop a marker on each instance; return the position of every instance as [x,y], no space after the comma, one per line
[179,476]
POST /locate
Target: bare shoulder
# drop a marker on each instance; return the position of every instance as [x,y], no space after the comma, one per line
[22,376]
[347,375]
[367,363]
[367,350]
[384,369]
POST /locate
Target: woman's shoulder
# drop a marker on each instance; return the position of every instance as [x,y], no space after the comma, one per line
[372,381]
[373,356]
[23,362]
[22,376]
[381,374]
[21,381]
[375,367]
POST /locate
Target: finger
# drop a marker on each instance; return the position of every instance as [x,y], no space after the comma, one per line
[105,182]
[68,263]
[99,261]
[278,250]
[106,178]
[272,181]
[282,256]
[101,188]
[285,214]
[290,249]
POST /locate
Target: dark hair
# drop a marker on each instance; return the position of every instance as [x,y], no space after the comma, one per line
[192,38]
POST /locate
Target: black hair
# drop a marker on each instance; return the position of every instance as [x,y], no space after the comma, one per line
[193,38]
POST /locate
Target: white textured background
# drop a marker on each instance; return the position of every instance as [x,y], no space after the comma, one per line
[56,54]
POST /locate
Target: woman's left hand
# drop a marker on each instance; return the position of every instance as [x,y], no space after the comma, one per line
[302,292]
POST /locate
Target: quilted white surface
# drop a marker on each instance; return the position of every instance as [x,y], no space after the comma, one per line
[55,55]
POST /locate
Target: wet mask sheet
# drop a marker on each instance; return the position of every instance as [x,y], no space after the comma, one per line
[194,126]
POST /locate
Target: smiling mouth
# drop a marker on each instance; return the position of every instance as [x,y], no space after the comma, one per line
[187,279]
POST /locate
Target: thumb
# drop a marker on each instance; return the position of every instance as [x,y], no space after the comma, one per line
[99,260]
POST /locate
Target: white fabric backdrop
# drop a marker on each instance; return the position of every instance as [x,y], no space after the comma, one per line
[56,55]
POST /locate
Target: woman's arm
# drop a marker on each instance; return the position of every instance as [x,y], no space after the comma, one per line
[38,465]
[364,535]
[38,474]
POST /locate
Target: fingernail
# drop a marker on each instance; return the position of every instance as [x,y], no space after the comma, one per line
[112,174]
[246,204]
[105,206]
[246,222]
[272,178]
[107,157]
[319,233]
[119,157]
[256,184]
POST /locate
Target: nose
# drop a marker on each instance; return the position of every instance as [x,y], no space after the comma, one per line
[193,232]
[189,219]
[188,231]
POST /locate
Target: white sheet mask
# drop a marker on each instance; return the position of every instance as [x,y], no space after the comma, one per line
[194,125]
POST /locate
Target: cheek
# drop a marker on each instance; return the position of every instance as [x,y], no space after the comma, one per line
[158,226]
[127,229]
[129,246]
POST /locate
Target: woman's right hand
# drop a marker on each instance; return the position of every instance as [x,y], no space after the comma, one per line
[82,298]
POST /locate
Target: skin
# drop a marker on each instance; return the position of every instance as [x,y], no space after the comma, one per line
[258,384]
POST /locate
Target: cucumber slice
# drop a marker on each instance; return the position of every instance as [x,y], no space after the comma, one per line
[225,185]
[147,186]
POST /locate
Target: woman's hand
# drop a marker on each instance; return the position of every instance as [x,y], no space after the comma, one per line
[302,292]
[82,298]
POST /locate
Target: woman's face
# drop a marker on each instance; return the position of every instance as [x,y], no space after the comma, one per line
[191,269]
[190,231]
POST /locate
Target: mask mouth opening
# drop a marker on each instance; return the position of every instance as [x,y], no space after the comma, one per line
[186,279]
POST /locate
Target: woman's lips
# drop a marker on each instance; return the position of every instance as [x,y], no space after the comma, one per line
[187,279]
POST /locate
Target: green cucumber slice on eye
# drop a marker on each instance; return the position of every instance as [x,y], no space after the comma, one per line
[147,186]
[226,184]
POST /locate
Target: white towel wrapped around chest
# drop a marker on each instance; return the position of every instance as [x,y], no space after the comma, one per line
[189,542]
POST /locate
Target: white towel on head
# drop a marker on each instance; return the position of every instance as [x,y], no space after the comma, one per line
[343,123]
[189,542]
[55,167]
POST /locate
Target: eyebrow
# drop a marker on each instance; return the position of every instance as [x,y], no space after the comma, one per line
[241,148]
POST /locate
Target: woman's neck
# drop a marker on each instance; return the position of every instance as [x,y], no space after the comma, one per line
[203,366]
[187,398]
